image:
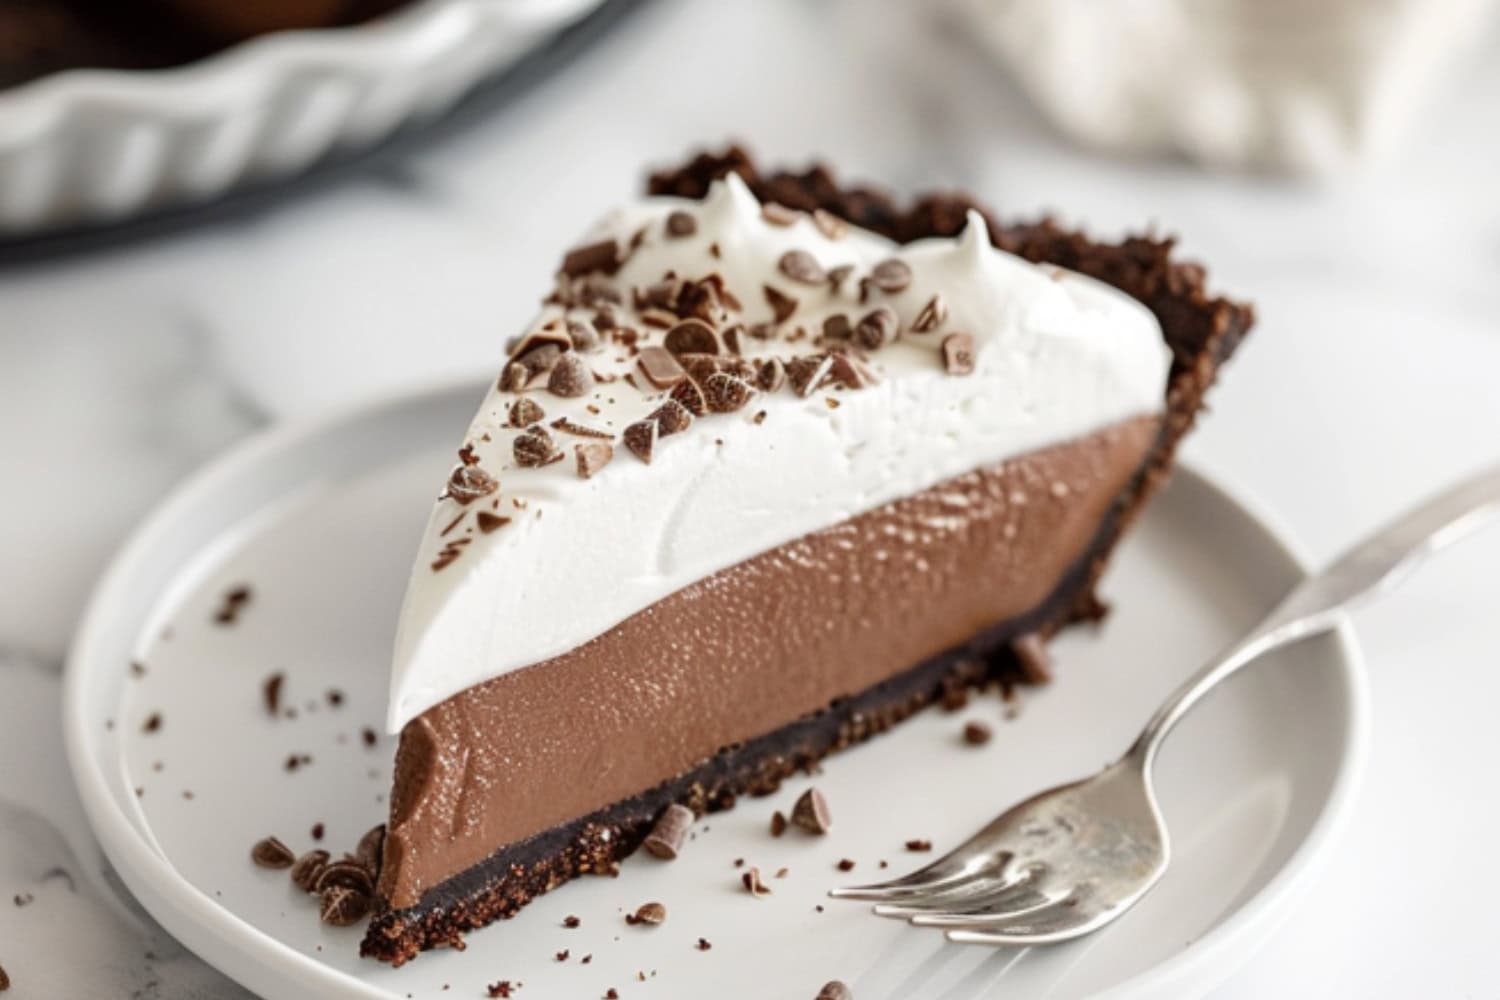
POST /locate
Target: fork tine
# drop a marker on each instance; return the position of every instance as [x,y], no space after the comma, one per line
[1022,901]
[982,894]
[1055,922]
[944,878]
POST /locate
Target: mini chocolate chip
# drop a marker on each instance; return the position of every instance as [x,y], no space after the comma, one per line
[876,328]
[561,956]
[726,393]
[691,336]
[526,411]
[752,882]
[933,315]
[272,853]
[680,223]
[671,417]
[669,833]
[1031,652]
[660,367]
[583,335]
[836,327]
[371,848]
[919,846]
[771,375]
[829,225]
[782,305]
[802,267]
[891,276]
[270,693]
[640,438]
[309,867]
[651,914]
[570,377]
[602,256]
[778,214]
[490,522]
[811,812]
[592,457]
[835,990]
[341,907]
[534,447]
[469,482]
[977,734]
[690,395]
[778,823]
[571,921]
[846,864]
[958,353]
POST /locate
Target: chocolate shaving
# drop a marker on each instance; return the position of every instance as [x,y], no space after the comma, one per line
[919,846]
[534,447]
[651,914]
[469,483]
[1031,653]
[726,393]
[933,315]
[671,417]
[490,522]
[580,430]
[782,304]
[525,411]
[680,224]
[270,693]
[570,377]
[689,395]
[669,833]
[593,257]
[660,367]
[308,869]
[802,267]
[752,882]
[272,853]
[640,438]
[877,328]
[811,812]
[592,457]
[691,336]
[958,353]
[891,276]
[778,214]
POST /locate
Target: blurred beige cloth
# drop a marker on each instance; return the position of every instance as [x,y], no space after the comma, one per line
[1303,86]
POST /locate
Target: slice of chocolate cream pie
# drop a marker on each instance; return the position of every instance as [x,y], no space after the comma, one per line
[779,464]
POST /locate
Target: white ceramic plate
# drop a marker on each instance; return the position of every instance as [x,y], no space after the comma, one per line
[321,521]
[96,145]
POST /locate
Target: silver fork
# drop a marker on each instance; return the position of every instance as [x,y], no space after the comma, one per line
[1070,860]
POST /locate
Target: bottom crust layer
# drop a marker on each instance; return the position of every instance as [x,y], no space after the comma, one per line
[510,878]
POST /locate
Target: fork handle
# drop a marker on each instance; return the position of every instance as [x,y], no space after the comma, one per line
[1318,604]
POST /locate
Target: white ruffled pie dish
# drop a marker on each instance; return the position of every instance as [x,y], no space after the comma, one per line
[91,146]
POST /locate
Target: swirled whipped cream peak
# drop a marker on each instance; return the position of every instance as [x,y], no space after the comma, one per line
[710,380]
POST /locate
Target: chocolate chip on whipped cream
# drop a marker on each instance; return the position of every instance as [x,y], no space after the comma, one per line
[534,447]
[876,328]
[778,214]
[488,522]
[640,438]
[691,336]
[570,377]
[526,411]
[808,373]
[689,395]
[770,375]
[933,315]
[671,417]
[726,393]
[958,353]
[783,306]
[830,225]
[802,267]
[891,275]
[590,458]
[603,255]
[681,224]
[469,483]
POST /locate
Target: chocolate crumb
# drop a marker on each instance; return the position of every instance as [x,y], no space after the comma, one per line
[580,430]
[958,353]
[660,367]
[571,922]
[919,846]
[667,836]
[933,315]
[490,522]
[22,899]
[846,864]
[585,336]
[778,214]
[534,448]
[838,275]
[570,377]
[837,327]
[346,873]
[671,418]
[782,305]
[4,980]
[689,395]
[753,885]
[811,812]
[739,862]
[137,668]
[585,960]
[651,914]
[308,868]
[270,691]
[369,736]
[1031,652]
[724,393]
[829,225]
[802,267]
[704,944]
[592,457]
[611,994]
[602,256]
[640,438]
[782,873]
[771,375]
[977,734]
[891,276]
[835,990]
[562,956]
[469,482]
[759,418]
[680,224]
[514,377]
[317,831]
[234,602]
[501,989]
[152,723]
[806,374]
[335,697]
[884,863]
[272,853]
[877,328]
[526,411]
[691,336]
[778,823]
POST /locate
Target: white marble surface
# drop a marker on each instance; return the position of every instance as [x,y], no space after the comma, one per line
[1370,380]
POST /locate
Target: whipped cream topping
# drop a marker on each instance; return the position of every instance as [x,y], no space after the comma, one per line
[521,563]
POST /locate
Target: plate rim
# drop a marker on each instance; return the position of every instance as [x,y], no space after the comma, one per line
[248,955]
